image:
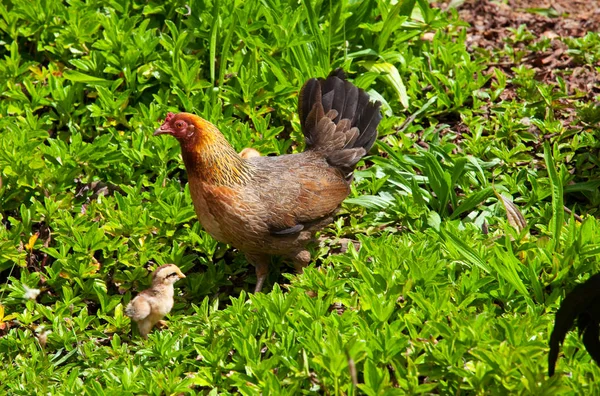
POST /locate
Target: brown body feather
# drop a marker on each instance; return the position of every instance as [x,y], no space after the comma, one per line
[273,205]
[280,193]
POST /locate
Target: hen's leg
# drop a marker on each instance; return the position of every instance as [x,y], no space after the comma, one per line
[261,263]
[301,260]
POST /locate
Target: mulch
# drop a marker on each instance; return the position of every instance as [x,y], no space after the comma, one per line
[490,20]
[492,28]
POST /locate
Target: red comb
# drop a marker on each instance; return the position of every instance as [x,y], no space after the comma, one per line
[169,117]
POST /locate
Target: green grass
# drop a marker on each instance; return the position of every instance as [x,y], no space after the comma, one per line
[446,294]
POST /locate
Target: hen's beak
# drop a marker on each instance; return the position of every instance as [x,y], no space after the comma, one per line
[161,131]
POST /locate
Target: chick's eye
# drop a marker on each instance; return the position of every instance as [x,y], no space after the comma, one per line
[179,124]
[172,274]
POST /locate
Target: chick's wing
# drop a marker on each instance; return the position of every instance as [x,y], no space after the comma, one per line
[139,308]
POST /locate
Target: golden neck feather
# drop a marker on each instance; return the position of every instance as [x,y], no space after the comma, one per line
[210,158]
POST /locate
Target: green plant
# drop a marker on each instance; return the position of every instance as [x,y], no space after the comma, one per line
[422,284]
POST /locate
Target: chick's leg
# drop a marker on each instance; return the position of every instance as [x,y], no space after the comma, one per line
[261,263]
[301,260]
[144,327]
[162,324]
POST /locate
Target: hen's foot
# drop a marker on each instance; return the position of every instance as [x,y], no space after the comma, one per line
[301,260]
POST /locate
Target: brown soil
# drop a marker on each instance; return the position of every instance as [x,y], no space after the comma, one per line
[493,24]
[491,19]
[542,48]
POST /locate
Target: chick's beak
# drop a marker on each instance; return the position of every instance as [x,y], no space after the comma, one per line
[180,274]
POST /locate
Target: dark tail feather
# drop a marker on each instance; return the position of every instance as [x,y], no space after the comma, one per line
[582,304]
[338,119]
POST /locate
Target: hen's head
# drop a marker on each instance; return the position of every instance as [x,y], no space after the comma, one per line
[206,153]
[186,127]
[167,275]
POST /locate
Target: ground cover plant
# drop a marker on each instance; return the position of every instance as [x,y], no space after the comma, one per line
[473,217]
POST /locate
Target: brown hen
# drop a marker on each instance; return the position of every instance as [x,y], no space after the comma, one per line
[273,205]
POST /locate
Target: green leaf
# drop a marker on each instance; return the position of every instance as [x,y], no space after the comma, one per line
[439,180]
[76,76]
[392,76]
[556,223]
[472,201]
[465,251]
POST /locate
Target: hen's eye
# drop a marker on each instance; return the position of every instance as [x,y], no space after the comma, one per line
[179,124]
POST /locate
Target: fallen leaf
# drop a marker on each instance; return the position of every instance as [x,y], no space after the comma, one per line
[31,243]
[513,214]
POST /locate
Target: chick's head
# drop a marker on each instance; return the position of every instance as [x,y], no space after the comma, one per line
[249,152]
[167,275]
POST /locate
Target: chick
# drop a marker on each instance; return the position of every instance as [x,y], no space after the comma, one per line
[249,152]
[151,305]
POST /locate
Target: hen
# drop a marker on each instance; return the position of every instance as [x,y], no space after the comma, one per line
[273,205]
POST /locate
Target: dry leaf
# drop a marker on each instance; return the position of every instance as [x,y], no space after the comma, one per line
[513,214]
[43,338]
[31,242]
[30,293]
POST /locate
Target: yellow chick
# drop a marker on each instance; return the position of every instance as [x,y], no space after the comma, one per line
[151,305]
[249,152]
